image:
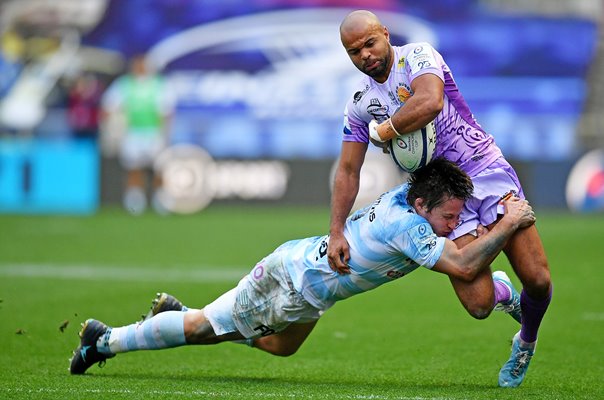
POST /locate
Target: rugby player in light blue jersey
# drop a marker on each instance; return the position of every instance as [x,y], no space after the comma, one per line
[276,306]
[404,89]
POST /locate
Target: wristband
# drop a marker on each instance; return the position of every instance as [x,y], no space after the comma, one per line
[393,128]
[373,133]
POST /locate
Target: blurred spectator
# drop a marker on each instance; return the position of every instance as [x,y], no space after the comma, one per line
[146,105]
[83,106]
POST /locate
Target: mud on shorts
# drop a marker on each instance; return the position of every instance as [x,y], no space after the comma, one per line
[491,186]
[264,302]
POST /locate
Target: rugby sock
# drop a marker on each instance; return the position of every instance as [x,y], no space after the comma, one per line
[532,314]
[502,292]
[163,331]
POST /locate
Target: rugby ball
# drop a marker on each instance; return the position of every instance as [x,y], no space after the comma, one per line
[413,150]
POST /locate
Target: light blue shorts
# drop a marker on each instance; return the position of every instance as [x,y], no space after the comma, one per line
[264,302]
[491,185]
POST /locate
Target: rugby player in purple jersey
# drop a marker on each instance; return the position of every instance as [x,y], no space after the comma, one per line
[405,88]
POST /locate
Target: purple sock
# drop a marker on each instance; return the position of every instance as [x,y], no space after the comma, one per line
[502,292]
[532,314]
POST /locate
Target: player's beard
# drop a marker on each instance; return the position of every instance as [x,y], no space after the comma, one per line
[383,69]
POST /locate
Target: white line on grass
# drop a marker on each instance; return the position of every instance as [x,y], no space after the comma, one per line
[197,393]
[593,316]
[126,273]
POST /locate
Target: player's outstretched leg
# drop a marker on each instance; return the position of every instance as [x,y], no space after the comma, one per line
[164,302]
[514,370]
[99,342]
[86,355]
[503,284]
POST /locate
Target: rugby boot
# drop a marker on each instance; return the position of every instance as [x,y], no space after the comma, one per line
[86,355]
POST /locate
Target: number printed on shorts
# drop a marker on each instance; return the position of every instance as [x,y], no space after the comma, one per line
[265,330]
[322,250]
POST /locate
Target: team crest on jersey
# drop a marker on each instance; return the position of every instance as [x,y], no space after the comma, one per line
[403,92]
[377,110]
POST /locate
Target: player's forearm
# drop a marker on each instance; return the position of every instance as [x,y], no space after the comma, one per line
[416,113]
[479,254]
[345,190]
[413,115]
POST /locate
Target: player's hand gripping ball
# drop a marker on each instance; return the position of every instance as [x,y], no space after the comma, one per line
[413,150]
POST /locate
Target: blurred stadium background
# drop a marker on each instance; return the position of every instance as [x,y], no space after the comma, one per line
[261,85]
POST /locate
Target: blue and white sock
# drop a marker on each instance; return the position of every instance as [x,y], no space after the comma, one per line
[165,330]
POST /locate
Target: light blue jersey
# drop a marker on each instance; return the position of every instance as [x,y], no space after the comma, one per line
[387,241]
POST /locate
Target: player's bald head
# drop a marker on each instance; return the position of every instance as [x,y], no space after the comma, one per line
[367,43]
[359,21]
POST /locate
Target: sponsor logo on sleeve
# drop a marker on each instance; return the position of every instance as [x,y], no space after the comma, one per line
[422,229]
[421,58]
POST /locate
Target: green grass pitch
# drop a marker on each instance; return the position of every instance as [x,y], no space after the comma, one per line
[410,339]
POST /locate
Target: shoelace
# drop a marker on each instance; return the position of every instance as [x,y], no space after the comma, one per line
[522,359]
[508,308]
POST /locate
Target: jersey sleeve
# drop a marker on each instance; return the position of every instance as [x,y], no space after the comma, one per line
[424,59]
[355,129]
[423,246]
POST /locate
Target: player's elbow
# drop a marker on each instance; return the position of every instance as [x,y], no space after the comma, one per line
[433,107]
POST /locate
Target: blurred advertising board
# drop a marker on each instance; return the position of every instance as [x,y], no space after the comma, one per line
[38,176]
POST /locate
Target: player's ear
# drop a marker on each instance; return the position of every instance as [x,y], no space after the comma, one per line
[420,206]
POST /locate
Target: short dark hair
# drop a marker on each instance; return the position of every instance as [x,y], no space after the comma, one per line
[437,182]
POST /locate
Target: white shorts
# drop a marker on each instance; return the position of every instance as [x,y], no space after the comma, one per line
[139,151]
[264,302]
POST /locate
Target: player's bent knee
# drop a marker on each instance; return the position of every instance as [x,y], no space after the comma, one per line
[275,345]
[539,285]
[479,312]
[478,306]
[285,352]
